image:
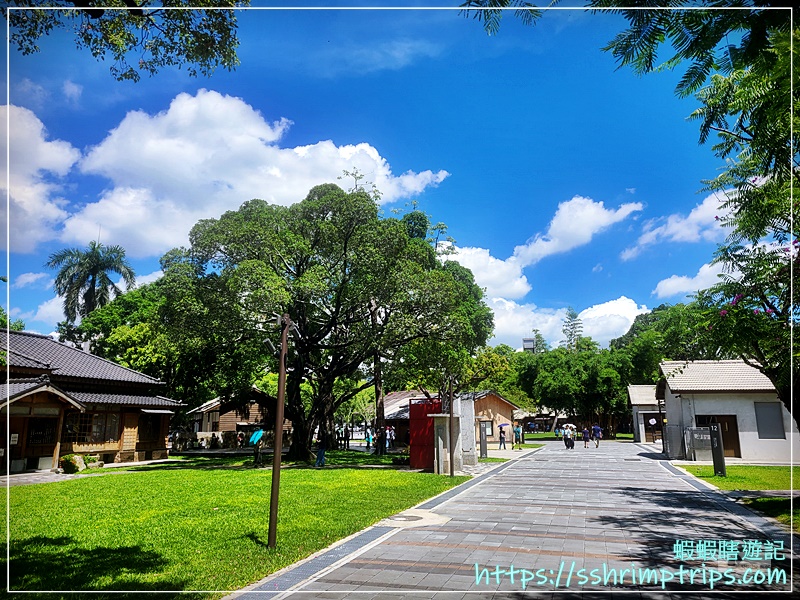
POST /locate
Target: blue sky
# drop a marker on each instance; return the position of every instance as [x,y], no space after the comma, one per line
[563,180]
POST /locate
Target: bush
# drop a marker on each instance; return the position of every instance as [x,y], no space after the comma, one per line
[72,463]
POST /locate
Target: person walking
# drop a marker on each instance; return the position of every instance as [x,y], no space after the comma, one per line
[321,446]
[585,437]
[597,434]
[518,436]
[567,438]
[368,437]
[346,437]
[502,445]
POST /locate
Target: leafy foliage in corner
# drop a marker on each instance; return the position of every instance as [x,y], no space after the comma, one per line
[138,36]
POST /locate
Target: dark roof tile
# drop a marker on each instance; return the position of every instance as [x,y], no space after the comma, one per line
[66,361]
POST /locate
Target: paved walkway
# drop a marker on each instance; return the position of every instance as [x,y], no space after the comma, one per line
[549,514]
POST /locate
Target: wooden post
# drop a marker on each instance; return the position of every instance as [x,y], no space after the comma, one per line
[278,443]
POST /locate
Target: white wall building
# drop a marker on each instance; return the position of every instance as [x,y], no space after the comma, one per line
[756,426]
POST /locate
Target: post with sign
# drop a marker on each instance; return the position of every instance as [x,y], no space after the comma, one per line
[717,450]
[285,322]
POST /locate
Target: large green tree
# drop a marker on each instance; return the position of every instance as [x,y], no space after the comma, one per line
[135,36]
[83,277]
[357,287]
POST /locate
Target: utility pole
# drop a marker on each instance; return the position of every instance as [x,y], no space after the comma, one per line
[285,323]
[452,436]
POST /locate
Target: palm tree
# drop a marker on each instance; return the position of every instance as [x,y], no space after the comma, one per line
[83,278]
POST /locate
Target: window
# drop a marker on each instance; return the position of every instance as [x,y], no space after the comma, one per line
[42,431]
[769,420]
[91,428]
[148,427]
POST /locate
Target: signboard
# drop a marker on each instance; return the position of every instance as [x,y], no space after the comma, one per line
[717,451]
[14,439]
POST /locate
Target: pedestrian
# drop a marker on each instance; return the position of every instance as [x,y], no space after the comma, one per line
[518,436]
[368,437]
[558,433]
[346,437]
[391,436]
[240,439]
[502,445]
[597,434]
[585,436]
[568,438]
[321,446]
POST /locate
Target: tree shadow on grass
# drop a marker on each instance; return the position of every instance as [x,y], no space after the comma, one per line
[60,564]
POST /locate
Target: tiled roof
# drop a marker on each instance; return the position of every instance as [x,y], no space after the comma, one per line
[17,359]
[19,387]
[714,376]
[16,388]
[66,361]
[475,396]
[125,400]
[642,394]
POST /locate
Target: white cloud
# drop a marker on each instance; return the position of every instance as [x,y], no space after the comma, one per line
[703,223]
[144,279]
[501,278]
[706,276]
[602,322]
[207,154]
[575,223]
[30,93]
[359,59]
[26,279]
[36,208]
[609,320]
[72,91]
[513,321]
[49,313]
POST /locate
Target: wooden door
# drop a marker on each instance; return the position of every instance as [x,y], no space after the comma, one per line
[730,432]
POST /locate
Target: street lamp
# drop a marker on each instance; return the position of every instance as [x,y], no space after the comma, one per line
[285,322]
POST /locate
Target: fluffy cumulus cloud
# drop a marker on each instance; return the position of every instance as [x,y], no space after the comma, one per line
[514,321]
[37,166]
[602,322]
[681,285]
[606,321]
[49,313]
[204,155]
[575,223]
[502,278]
[701,224]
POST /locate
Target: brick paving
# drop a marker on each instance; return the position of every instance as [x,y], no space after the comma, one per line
[551,513]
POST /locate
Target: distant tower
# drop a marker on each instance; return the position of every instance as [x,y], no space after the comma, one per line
[529,345]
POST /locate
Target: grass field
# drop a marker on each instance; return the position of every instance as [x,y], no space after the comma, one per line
[751,477]
[748,477]
[194,526]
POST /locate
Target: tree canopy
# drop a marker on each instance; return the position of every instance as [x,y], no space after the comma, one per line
[138,36]
[83,277]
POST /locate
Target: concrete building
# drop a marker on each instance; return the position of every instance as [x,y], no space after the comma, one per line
[755,424]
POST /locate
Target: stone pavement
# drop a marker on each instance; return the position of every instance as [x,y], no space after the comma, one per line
[579,522]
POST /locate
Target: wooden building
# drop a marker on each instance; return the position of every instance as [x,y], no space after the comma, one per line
[60,400]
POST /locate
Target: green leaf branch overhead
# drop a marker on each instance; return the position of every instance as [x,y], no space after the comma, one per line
[136,36]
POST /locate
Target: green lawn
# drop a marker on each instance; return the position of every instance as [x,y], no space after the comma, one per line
[200,527]
[747,477]
[778,508]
